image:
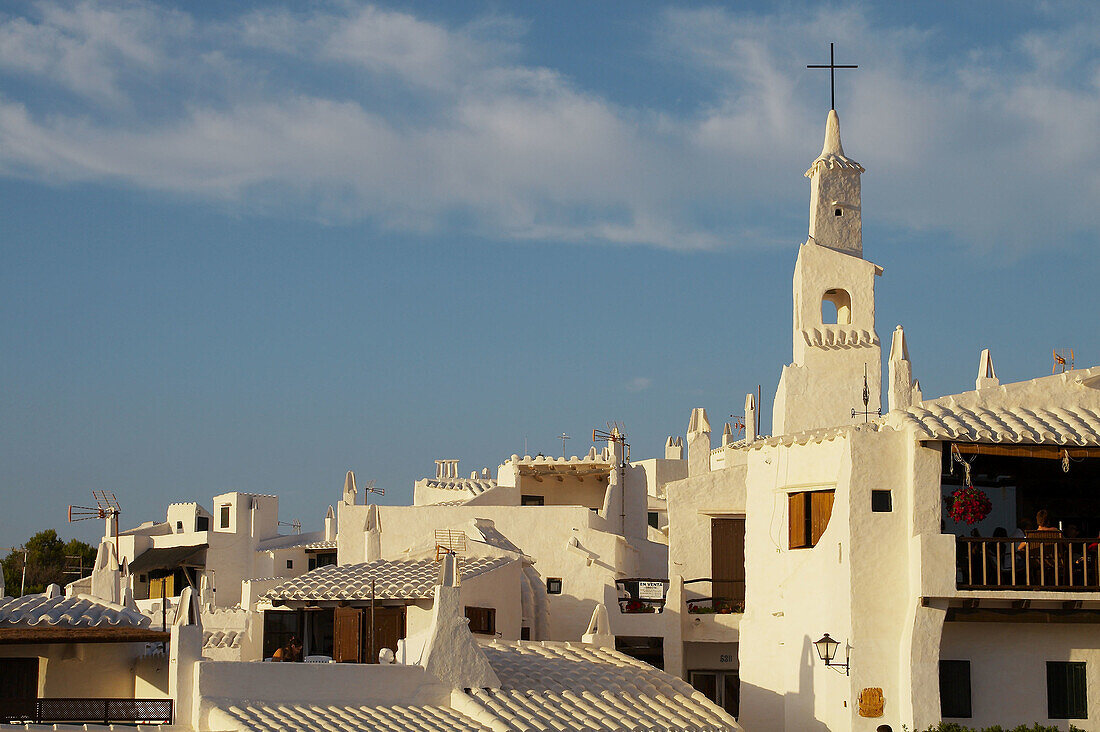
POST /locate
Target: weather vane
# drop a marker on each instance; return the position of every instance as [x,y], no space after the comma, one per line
[832,66]
[866,400]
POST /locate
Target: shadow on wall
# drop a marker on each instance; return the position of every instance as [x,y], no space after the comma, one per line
[802,703]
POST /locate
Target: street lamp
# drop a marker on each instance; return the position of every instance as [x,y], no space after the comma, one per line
[826,651]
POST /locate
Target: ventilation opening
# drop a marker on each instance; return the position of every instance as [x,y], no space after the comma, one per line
[836,307]
[837,212]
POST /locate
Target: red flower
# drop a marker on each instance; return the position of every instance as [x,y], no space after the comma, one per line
[969,505]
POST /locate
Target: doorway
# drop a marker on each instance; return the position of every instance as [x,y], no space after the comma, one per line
[18,688]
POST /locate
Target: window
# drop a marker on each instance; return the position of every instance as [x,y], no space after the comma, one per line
[882,502]
[837,212]
[836,307]
[325,559]
[312,563]
[179,526]
[808,515]
[654,519]
[955,689]
[482,620]
[553,585]
[202,523]
[532,501]
[721,687]
[224,517]
[525,633]
[143,578]
[1066,697]
[290,564]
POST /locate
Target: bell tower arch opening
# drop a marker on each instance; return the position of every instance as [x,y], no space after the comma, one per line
[836,307]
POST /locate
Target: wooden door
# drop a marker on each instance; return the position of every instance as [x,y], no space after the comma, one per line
[347,634]
[18,688]
[389,627]
[727,558]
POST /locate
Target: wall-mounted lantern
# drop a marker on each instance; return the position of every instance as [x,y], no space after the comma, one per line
[826,651]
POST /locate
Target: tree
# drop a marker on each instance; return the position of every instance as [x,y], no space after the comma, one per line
[46,556]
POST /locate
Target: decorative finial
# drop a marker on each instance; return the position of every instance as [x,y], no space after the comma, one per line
[832,66]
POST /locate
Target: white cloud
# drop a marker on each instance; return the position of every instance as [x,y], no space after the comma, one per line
[639,383]
[357,112]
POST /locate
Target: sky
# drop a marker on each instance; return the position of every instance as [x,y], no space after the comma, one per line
[251,246]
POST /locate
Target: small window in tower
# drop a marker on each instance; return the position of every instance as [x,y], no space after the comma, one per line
[881,501]
[837,212]
[290,564]
[836,307]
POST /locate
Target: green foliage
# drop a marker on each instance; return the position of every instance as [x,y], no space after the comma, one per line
[46,562]
[956,727]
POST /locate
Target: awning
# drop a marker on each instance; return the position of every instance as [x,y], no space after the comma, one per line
[167,558]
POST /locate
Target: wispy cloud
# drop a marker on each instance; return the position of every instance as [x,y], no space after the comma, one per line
[353,111]
[639,383]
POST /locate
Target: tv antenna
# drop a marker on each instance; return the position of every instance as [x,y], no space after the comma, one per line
[371,488]
[563,437]
[106,508]
[866,400]
[295,524]
[616,433]
[1060,359]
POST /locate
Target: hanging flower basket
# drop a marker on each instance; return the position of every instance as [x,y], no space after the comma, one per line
[969,505]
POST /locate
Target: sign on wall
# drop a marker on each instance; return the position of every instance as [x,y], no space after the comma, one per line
[651,590]
[871,702]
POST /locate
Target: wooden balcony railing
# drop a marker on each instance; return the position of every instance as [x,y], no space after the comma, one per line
[1028,564]
[86,710]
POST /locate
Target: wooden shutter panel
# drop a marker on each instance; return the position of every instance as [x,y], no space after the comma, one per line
[821,508]
[796,513]
[347,624]
[727,558]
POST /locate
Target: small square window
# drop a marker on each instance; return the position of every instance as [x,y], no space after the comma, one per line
[525,633]
[553,585]
[143,578]
[882,501]
[836,212]
[290,564]
[179,526]
[654,519]
[532,501]
[1066,693]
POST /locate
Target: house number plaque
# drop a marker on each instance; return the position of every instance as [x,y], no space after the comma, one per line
[871,702]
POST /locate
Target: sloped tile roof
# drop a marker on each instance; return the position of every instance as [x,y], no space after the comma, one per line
[79,611]
[394,579]
[340,718]
[222,639]
[579,686]
[473,486]
[1076,426]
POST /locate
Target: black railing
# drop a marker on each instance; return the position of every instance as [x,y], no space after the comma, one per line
[728,597]
[641,594]
[86,710]
[1027,564]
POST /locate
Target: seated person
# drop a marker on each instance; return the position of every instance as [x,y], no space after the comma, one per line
[292,651]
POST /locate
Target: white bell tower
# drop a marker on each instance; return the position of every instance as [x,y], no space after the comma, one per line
[834,304]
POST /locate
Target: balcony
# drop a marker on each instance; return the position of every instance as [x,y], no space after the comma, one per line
[641,595]
[726,597]
[1029,564]
[86,711]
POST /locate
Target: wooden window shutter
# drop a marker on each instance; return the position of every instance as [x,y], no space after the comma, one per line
[821,508]
[796,511]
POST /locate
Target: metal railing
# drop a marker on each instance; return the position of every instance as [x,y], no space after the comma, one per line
[727,597]
[1027,564]
[87,710]
[642,594]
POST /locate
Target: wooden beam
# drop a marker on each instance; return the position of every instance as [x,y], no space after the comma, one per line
[1047,452]
[82,635]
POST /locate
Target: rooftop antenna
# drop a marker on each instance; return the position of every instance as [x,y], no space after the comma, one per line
[563,437]
[1060,358]
[371,488]
[449,540]
[866,400]
[106,508]
[832,66]
[295,524]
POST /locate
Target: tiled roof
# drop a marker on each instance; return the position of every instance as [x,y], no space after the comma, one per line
[319,545]
[394,579]
[339,718]
[937,420]
[1063,409]
[79,611]
[222,639]
[473,486]
[578,686]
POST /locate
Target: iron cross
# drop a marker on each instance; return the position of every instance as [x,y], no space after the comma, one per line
[832,66]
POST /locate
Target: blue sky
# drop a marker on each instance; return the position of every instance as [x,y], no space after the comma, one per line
[254,246]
